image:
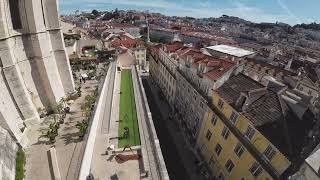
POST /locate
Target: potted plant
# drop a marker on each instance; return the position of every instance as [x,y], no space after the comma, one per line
[52,132]
[82,126]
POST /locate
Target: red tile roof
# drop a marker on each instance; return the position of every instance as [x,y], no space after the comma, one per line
[127,42]
[122,25]
[155,49]
[216,68]
[174,47]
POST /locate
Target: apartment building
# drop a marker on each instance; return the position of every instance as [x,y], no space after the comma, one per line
[251,132]
[154,62]
[168,63]
[197,75]
[262,72]
[136,46]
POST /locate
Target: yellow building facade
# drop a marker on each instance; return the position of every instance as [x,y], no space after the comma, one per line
[234,149]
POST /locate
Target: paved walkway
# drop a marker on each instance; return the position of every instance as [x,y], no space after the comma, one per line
[184,150]
[68,145]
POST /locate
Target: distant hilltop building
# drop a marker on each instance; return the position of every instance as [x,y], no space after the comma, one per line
[34,68]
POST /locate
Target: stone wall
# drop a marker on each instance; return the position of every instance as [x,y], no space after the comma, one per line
[152,151]
[34,66]
[8,150]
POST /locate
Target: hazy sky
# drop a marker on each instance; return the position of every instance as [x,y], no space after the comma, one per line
[288,11]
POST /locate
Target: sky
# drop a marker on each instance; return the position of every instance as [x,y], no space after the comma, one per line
[287,11]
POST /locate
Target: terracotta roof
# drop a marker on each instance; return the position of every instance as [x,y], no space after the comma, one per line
[173,47]
[122,25]
[128,42]
[216,68]
[155,49]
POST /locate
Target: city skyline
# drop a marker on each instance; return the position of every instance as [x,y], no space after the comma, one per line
[263,11]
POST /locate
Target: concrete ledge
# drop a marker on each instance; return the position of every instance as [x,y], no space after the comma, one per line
[88,152]
[54,163]
[134,148]
[32,121]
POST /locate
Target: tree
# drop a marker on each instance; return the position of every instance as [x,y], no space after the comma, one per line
[95,12]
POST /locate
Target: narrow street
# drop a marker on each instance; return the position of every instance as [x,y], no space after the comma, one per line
[178,157]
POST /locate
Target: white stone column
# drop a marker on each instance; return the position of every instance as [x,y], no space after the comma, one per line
[53,26]
[10,70]
[42,53]
[10,117]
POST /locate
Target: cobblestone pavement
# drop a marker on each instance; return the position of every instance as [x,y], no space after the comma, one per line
[177,153]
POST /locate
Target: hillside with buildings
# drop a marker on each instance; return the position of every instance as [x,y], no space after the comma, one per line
[126,94]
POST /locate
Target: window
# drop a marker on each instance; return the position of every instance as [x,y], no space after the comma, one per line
[209,134]
[269,152]
[233,117]
[229,165]
[211,162]
[214,120]
[218,149]
[15,14]
[249,133]
[225,133]
[239,149]
[255,169]
[220,104]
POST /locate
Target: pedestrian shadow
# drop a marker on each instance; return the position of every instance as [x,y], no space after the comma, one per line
[110,158]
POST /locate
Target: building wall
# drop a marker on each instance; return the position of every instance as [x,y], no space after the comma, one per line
[141,56]
[167,79]
[190,105]
[207,149]
[279,162]
[154,67]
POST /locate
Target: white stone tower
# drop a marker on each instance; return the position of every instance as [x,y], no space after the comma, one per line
[34,68]
[148,31]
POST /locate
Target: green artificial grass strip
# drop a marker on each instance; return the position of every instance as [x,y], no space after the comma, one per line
[20,164]
[128,113]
